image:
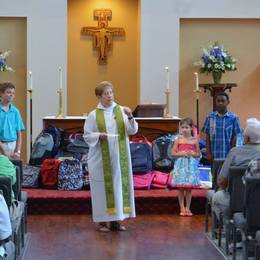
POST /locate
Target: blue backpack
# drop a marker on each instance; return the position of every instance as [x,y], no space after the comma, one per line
[56,134]
[42,148]
[141,155]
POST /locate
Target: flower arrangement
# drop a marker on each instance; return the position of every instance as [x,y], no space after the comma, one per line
[3,65]
[216,59]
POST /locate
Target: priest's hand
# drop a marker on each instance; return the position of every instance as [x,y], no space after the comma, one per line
[128,112]
[103,136]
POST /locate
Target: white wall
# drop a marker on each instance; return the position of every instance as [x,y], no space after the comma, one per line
[160,39]
[46,51]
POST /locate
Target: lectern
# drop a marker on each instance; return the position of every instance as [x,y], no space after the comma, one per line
[149,110]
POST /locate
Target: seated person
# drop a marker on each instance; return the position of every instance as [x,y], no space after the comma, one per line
[238,156]
[7,169]
[5,225]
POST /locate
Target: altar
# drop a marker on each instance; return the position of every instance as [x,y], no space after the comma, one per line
[151,127]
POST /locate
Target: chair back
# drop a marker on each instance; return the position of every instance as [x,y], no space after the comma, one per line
[216,167]
[236,189]
[252,203]
[17,187]
[6,188]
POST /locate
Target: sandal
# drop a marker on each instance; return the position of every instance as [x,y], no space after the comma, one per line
[189,213]
[102,226]
[183,212]
[115,226]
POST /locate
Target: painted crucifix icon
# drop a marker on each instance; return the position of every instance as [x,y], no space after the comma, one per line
[103,34]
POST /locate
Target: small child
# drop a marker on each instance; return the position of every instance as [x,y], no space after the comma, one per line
[186,172]
[11,123]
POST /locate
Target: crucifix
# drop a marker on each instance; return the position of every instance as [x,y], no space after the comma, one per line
[102,34]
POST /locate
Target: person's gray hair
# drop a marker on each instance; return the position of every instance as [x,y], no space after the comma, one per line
[101,87]
[252,130]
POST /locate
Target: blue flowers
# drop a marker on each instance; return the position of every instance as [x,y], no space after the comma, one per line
[216,58]
[3,65]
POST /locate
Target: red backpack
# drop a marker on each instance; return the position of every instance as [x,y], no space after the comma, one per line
[49,173]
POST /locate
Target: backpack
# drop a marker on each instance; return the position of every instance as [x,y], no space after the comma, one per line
[160,180]
[143,181]
[253,168]
[42,148]
[77,144]
[141,156]
[56,134]
[31,176]
[49,173]
[162,153]
[70,175]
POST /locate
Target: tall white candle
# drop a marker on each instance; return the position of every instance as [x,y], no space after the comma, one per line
[167,78]
[30,81]
[60,73]
[197,80]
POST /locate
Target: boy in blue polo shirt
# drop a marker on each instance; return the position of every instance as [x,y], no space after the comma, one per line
[221,128]
[11,123]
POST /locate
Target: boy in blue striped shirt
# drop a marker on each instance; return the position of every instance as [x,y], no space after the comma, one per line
[221,128]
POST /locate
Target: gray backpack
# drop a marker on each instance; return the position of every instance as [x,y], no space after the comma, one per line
[253,168]
[30,176]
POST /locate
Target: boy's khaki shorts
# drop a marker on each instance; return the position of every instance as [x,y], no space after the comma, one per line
[9,147]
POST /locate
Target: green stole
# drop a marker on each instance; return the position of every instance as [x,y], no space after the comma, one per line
[109,190]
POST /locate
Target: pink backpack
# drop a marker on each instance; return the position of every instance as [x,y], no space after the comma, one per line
[143,181]
[160,180]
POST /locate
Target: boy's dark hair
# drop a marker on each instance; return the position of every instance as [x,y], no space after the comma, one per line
[223,94]
[6,85]
[187,121]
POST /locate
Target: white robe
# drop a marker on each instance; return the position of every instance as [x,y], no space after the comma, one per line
[95,165]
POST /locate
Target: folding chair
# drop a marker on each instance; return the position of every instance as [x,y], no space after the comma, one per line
[16,217]
[236,189]
[248,222]
[257,246]
[21,195]
[216,167]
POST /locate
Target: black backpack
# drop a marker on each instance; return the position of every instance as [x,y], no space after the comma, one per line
[162,153]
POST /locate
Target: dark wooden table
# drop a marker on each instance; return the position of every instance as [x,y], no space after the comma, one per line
[151,127]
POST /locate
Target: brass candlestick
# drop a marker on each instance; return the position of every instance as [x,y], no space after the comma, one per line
[31,119]
[197,91]
[167,114]
[60,114]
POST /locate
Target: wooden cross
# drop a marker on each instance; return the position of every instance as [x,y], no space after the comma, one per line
[103,34]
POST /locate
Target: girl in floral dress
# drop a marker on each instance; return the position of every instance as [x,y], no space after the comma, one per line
[186,173]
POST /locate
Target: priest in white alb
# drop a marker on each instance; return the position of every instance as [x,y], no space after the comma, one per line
[106,131]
